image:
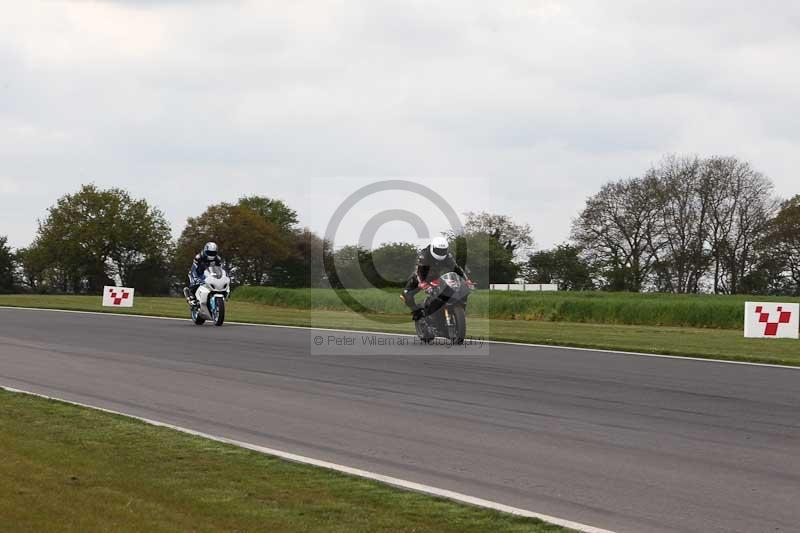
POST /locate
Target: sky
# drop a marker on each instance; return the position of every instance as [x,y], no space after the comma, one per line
[523,108]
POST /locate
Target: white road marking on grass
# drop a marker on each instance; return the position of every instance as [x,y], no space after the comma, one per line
[401,483]
[510,343]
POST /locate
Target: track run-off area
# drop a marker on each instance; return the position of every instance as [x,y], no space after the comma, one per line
[621,442]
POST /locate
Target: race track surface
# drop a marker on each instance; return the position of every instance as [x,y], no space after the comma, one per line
[623,442]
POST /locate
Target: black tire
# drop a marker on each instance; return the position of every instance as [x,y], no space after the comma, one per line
[196,318]
[422,332]
[219,312]
[458,331]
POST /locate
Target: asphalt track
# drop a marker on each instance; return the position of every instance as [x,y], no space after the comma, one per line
[622,442]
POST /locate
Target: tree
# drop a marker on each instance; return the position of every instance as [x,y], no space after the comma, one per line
[620,230]
[389,265]
[274,211]
[296,269]
[94,236]
[7,267]
[393,263]
[303,267]
[485,258]
[684,213]
[152,276]
[33,267]
[350,268]
[741,207]
[563,265]
[515,237]
[685,224]
[249,244]
[781,249]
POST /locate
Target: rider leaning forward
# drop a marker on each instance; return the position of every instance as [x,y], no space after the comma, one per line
[432,261]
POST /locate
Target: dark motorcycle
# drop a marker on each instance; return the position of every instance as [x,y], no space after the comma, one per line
[445,309]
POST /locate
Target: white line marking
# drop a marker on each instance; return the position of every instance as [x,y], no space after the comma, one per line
[509,343]
[401,483]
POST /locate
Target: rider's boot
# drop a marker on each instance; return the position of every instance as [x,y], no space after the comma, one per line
[189,296]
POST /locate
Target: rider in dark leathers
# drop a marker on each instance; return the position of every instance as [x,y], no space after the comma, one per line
[432,262]
[209,256]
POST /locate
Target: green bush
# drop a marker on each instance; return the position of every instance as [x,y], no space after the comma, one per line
[703,311]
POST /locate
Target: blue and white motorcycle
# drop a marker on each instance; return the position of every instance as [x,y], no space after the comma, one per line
[210,297]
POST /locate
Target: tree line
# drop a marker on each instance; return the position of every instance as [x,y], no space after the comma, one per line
[687,225]
[98,237]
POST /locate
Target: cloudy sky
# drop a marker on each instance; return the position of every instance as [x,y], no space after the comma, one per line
[522,108]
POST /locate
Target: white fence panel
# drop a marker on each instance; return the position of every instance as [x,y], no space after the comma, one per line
[534,287]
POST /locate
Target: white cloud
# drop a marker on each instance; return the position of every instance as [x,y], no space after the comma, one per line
[189,103]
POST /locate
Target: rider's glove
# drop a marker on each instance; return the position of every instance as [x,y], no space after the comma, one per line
[425,286]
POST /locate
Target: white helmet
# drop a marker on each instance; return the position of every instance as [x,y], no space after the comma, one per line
[439,248]
[210,250]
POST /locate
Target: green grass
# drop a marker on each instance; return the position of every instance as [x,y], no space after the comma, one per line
[683,341]
[694,311]
[67,468]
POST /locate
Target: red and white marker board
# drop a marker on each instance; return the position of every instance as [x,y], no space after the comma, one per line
[117,297]
[771,320]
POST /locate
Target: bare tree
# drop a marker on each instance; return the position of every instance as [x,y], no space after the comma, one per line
[686,223]
[620,229]
[517,238]
[741,207]
[683,213]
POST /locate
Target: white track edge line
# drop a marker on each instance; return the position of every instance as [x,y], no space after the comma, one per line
[401,483]
[509,343]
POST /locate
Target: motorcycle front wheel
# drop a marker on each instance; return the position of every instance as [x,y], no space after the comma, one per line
[423,331]
[218,312]
[457,325]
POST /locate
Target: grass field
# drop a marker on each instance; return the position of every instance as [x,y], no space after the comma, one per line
[66,468]
[683,341]
[694,311]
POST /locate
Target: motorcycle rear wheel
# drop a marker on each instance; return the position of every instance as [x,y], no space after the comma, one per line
[196,318]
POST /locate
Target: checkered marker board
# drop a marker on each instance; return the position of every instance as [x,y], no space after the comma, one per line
[770,320]
[117,297]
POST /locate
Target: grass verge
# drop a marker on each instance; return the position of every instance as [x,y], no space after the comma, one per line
[592,307]
[693,342]
[67,468]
